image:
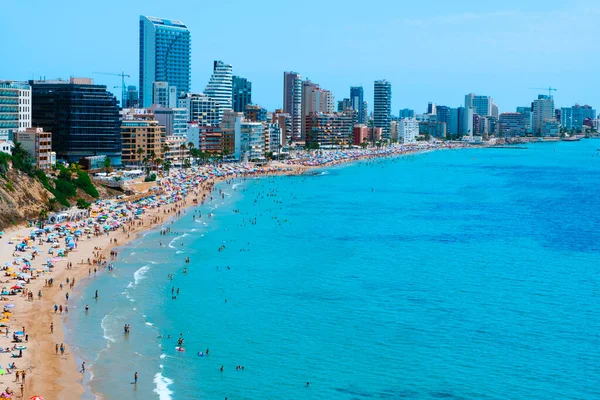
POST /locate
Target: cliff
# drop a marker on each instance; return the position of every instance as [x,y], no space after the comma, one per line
[21,198]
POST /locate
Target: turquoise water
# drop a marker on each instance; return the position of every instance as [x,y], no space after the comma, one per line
[461,274]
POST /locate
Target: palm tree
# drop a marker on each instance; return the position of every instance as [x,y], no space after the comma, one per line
[167,166]
[107,165]
[152,158]
[158,163]
[52,203]
[186,163]
[145,162]
[139,152]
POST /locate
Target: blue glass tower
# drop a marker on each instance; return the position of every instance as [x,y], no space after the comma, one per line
[165,56]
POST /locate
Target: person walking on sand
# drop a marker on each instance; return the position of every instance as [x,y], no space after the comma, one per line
[51,327]
[82,367]
[56,348]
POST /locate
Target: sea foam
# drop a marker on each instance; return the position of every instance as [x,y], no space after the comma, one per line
[162,387]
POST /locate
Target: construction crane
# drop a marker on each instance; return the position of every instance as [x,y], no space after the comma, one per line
[123,87]
[550,89]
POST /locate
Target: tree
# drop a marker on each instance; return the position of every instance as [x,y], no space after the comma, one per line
[82,204]
[145,162]
[107,165]
[139,152]
[52,203]
[186,163]
[43,216]
[167,166]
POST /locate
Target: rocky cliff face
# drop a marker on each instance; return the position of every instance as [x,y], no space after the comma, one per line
[21,198]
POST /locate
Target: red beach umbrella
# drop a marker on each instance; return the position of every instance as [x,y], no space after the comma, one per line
[36,398]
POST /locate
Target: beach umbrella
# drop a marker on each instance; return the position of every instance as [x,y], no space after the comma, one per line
[2,371]
[9,305]
[19,333]
[36,398]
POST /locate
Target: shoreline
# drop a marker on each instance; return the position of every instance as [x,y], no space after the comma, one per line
[54,376]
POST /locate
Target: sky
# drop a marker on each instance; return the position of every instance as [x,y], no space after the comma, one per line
[437,50]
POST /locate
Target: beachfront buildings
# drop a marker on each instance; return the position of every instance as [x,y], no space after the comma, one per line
[513,124]
[177,149]
[292,101]
[220,87]
[482,105]
[357,103]
[83,118]
[201,108]
[255,113]
[408,130]
[329,129]
[242,93]
[142,136]
[207,139]
[242,139]
[572,118]
[285,122]
[165,56]
[433,128]
[314,100]
[273,143]
[362,133]
[15,108]
[173,119]
[382,106]
[406,113]
[542,110]
[38,144]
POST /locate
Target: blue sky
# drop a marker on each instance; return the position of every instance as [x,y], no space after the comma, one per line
[434,50]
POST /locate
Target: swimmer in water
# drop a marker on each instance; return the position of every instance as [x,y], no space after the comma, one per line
[87,307]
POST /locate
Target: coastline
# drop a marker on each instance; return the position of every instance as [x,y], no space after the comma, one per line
[54,376]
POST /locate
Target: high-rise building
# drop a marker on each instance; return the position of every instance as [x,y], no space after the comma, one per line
[365,112]
[314,100]
[358,104]
[165,56]
[242,93]
[573,117]
[465,121]
[406,113]
[200,108]
[292,101]
[15,108]
[220,86]
[164,95]
[382,106]
[173,119]
[526,111]
[431,108]
[255,113]
[481,105]
[329,129]
[343,105]
[285,122]
[132,97]
[433,128]
[83,118]
[542,110]
[408,130]
[513,124]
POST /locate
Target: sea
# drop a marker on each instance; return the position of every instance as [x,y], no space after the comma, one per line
[451,274]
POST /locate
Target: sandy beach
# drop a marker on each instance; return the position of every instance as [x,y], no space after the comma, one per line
[55,374]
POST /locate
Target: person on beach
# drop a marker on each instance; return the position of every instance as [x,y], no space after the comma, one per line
[51,327]
[82,367]
[56,348]
[135,377]
[96,295]
[87,308]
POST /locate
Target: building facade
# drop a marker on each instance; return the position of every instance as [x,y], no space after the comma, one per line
[220,86]
[513,125]
[433,129]
[38,144]
[200,108]
[173,119]
[15,108]
[572,118]
[329,129]
[165,56]
[140,130]
[408,130]
[132,97]
[542,110]
[164,95]
[314,100]
[406,113]
[242,93]
[255,113]
[83,118]
[357,103]
[292,101]
[382,106]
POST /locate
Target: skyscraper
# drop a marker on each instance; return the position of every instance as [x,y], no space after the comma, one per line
[314,100]
[481,105]
[292,101]
[357,102]
[382,107]
[132,97]
[220,86]
[242,93]
[165,56]
[542,109]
